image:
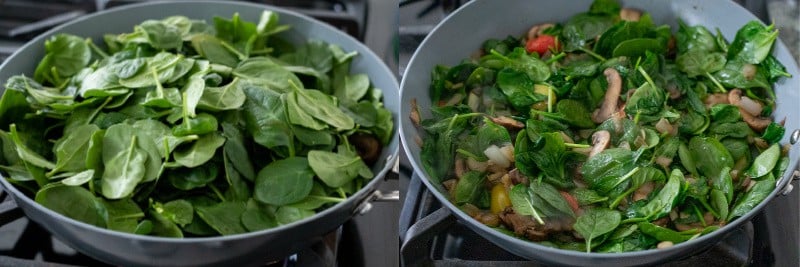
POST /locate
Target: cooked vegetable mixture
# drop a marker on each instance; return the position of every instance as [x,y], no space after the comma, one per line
[183,128]
[607,132]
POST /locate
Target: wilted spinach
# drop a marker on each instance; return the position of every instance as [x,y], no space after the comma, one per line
[670,143]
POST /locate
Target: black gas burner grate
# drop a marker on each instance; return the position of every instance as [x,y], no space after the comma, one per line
[432,236]
[22,20]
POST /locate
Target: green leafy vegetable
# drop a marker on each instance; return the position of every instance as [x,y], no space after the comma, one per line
[596,222]
[182,127]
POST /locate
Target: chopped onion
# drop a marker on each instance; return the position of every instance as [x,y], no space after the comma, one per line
[663,161]
[475,165]
[457,98]
[749,71]
[496,156]
[751,106]
[473,101]
[508,152]
[663,126]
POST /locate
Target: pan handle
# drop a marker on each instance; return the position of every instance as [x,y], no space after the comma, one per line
[377,196]
[381,196]
[787,189]
[9,211]
[415,250]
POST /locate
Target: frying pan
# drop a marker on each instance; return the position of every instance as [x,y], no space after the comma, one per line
[236,250]
[460,34]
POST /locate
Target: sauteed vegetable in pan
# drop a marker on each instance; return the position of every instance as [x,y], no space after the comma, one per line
[183,128]
[607,132]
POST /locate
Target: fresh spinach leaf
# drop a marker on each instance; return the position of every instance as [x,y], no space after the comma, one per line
[337,169]
[285,181]
[596,222]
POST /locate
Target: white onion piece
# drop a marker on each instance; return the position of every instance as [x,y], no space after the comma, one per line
[663,126]
[751,106]
[496,156]
[749,71]
[508,152]
[457,98]
[473,101]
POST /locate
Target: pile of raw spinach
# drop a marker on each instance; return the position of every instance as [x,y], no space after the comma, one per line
[185,128]
[704,163]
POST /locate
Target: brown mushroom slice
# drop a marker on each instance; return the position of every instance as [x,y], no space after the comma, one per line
[367,146]
[414,116]
[460,168]
[630,14]
[718,98]
[600,141]
[508,122]
[538,29]
[611,98]
[756,123]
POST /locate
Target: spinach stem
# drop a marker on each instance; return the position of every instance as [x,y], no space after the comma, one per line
[221,69]
[216,191]
[549,99]
[633,220]
[556,57]
[573,145]
[626,176]
[458,116]
[341,192]
[646,76]
[184,112]
[494,52]
[467,154]
[97,111]
[592,53]
[546,114]
[159,87]
[619,198]
[95,48]
[714,80]
[233,50]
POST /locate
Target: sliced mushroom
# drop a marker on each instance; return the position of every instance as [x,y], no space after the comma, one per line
[508,122]
[517,177]
[538,29]
[674,92]
[414,116]
[718,98]
[600,141]
[630,14]
[611,97]
[460,168]
[643,191]
[756,123]
[450,186]
[475,165]
[752,106]
[367,146]
[566,137]
[663,126]
[664,244]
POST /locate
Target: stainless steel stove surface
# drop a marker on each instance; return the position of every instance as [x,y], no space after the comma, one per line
[366,240]
[431,235]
